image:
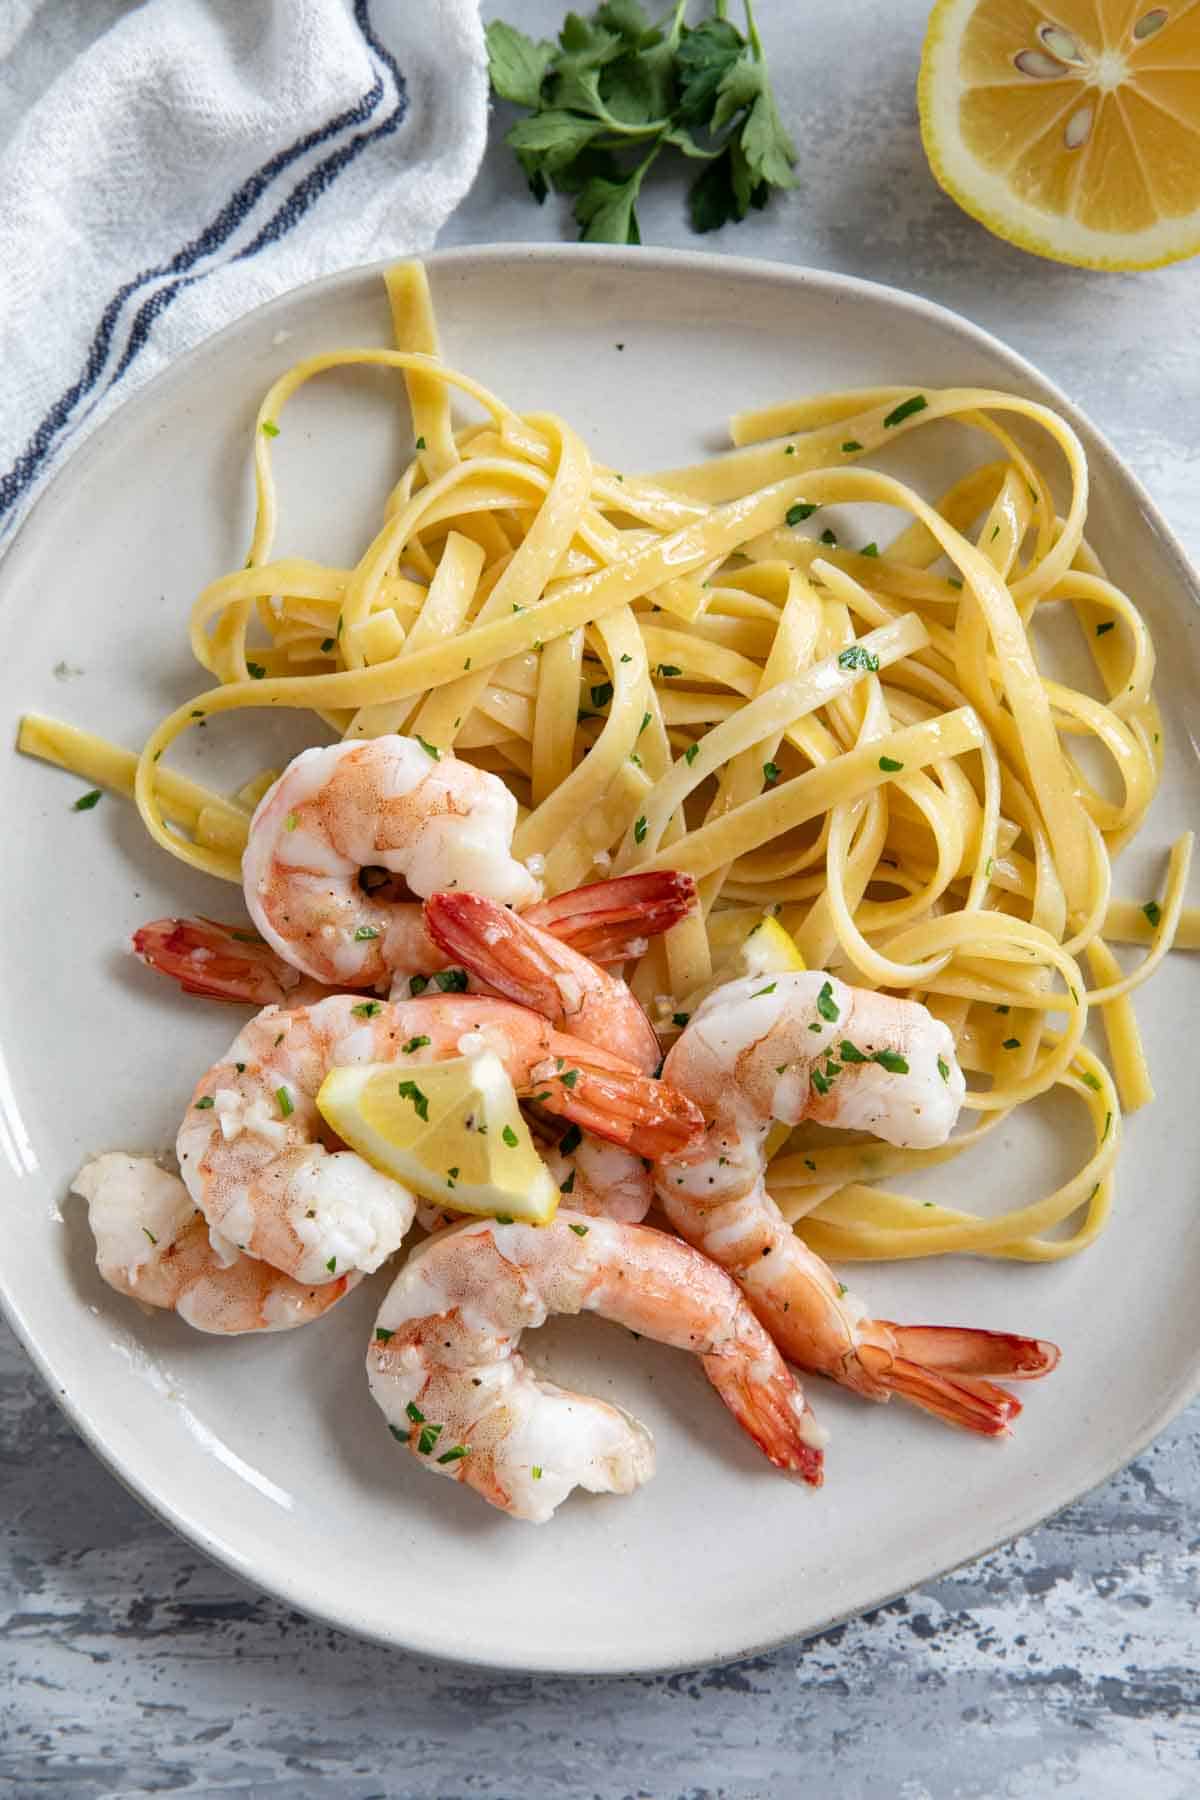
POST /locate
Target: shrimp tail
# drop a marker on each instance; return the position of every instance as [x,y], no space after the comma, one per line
[942,1368]
[535,969]
[624,1106]
[767,1411]
[222,962]
[610,920]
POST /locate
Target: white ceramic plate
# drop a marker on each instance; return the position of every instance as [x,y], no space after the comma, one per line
[268,1453]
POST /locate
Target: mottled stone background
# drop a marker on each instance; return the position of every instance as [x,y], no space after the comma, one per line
[131,1665]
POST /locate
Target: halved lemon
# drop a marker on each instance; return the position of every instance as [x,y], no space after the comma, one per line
[452,1131]
[1072,130]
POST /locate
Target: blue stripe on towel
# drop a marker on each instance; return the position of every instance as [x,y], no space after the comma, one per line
[217,233]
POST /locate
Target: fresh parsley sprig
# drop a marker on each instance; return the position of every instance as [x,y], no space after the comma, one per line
[615,91]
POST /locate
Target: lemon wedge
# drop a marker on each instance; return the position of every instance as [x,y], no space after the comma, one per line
[750,943]
[452,1131]
[1072,131]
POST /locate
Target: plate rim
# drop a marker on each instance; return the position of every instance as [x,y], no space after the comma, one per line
[286,1588]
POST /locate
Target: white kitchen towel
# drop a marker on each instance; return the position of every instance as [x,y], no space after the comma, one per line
[166,166]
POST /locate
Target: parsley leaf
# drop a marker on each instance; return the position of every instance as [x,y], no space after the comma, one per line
[616,91]
[516,64]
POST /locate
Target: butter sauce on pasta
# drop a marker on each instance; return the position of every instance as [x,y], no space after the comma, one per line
[689,671]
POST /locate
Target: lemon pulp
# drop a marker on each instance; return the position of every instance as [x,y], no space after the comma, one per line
[452,1131]
[1071,130]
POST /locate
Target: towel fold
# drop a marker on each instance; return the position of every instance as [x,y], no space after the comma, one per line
[165,167]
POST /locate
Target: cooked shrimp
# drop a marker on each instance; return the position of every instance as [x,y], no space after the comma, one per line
[250,1146]
[153,1245]
[533,968]
[602,1180]
[608,921]
[445,1367]
[388,803]
[806,1046]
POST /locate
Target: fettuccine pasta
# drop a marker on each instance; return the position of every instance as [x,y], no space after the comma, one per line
[690,671]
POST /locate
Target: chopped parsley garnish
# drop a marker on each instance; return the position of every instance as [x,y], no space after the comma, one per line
[790,450]
[420,444]
[414,1043]
[995,534]
[1153,911]
[536,1471]
[240,1067]
[204,1104]
[570,1140]
[1092,1081]
[86,802]
[579,1230]
[415,1414]
[850,446]
[810,1164]
[382,1334]
[428,1438]
[644,723]
[771,773]
[889,1060]
[455,1455]
[803,509]
[270,428]
[246,937]
[149,1234]
[943,1068]
[827,1006]
[327,644]
[954,581]
[691,753]
[429,749]
[408,1090]
[504,1218]
[568,1186]
[284,1100]
[819,1082]
[451,981]
[871,549]
[364,933]
[1107,1126]
[417,985]
[639,830]
[905,410]
[602,693]
[452,1176]
[855,656]
[1011,1044]
[367,1009]
[668,669]
[989,866]
[769,989]
[255,670]
[291,822]
[889,765]
[680,1019]
[510,1137]
[625,656]
[569,1077]
[331,1265]
[843,1290]
[1107,626]
[401,1437]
